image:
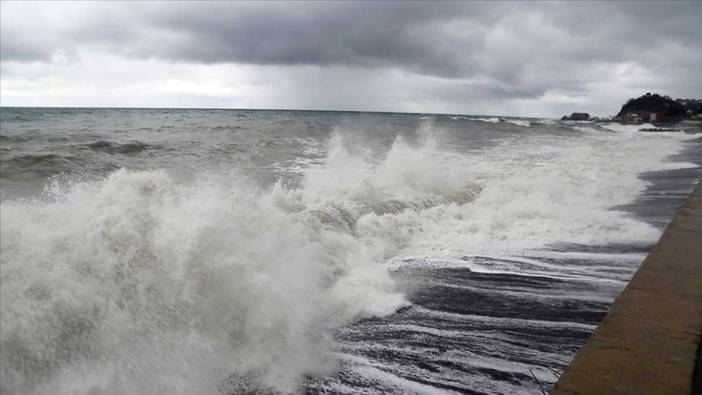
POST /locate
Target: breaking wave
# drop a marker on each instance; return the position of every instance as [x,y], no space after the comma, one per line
[135,280]
[518,122]
[123,284]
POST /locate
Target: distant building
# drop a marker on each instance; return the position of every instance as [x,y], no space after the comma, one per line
[654,116]
[577,116]
[632,117]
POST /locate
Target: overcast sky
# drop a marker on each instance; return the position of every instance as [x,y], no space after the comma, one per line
[524,58]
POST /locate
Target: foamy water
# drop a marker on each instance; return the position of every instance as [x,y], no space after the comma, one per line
[220,252]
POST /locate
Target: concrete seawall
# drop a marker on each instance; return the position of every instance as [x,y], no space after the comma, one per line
[648,342]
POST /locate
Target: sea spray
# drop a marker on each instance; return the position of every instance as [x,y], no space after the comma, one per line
[139,279]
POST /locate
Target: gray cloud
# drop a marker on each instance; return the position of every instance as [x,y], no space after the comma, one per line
[502,50]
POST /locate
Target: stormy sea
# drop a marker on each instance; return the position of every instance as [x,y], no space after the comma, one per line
[148,251]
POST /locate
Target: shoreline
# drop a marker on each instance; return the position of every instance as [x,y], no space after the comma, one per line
[649,341]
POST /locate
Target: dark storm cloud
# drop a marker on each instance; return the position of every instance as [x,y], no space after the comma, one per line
[520,49]
[411,36]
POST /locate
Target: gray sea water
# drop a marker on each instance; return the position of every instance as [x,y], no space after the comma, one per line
[247,251]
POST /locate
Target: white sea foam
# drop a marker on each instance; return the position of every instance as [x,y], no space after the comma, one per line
[536,192]
[547,121]
[526,193]
[519,122]
[490,120]
[624,128]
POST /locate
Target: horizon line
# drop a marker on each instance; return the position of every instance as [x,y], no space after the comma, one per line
[277,109]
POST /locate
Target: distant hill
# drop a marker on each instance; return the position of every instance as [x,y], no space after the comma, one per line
[657,108]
